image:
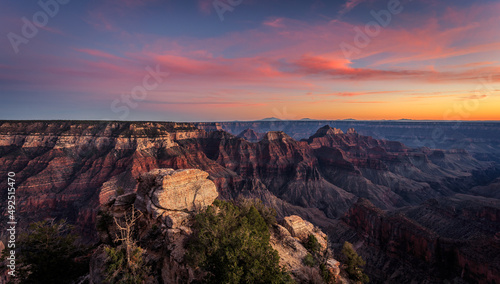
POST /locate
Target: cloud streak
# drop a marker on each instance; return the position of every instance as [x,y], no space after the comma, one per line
[349,5]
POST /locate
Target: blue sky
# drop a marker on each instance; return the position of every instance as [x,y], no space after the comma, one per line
[178,60]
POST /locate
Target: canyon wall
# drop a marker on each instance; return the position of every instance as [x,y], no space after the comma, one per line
[481,138]
[70,169]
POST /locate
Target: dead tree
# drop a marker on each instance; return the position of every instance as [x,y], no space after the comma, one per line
[126,230]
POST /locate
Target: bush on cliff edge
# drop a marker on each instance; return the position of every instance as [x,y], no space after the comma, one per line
[231,243]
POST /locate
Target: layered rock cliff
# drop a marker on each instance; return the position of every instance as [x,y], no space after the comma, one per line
[70,169]
[454,238]
[479,138]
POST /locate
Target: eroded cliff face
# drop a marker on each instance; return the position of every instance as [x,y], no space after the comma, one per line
[440,239]
[479,138]
[69,169]
[62,167]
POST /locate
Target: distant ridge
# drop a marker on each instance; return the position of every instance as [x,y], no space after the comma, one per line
[270,119]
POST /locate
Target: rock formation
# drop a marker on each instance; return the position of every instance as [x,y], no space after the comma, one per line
[447,238]
[250,135]
[69,169]
[479,138]
[292,252]
[168,200]
[302,229]
[167,190]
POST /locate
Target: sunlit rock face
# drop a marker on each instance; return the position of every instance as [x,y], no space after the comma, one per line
[165,190]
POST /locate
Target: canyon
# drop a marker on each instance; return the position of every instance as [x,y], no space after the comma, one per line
[427,213]
[480,138]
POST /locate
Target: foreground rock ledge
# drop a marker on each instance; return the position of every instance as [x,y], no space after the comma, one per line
[163,190]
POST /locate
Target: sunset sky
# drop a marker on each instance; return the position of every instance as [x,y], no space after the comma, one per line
[182,60]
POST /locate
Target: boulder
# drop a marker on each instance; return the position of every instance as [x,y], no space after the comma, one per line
[163,191]
[333,267]
[301,229]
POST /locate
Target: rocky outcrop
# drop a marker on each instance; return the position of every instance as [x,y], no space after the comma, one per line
[169,190]
[164,227]
[302,229]
[167,200]
[292,251]
[250,135]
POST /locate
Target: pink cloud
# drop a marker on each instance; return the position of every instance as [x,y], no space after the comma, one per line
[271,65]
[275,23]
[317,64]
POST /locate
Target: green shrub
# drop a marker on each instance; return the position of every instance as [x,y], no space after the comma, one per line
[48,253]
[119,270]
[312,245]
[353,263]
[231,243]
[325,273]
[309,260]
[267,213]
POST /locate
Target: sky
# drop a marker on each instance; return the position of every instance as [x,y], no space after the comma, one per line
[224,60]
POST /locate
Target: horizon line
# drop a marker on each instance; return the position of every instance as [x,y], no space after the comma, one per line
[258,120]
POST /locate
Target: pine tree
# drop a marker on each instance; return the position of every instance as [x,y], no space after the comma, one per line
[353,263]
